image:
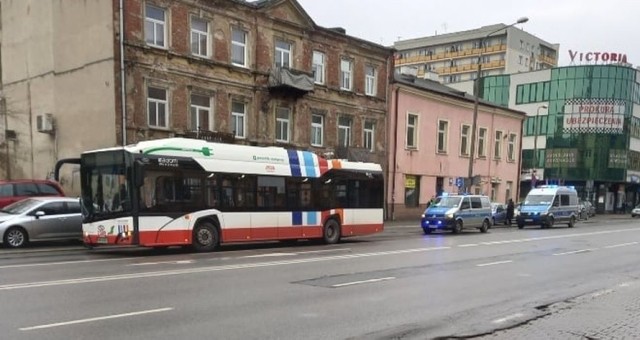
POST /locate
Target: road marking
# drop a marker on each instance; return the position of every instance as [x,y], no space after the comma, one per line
[363,281]
[621,245]
[163,262]
[493,263]
[575,252]
[269,255]
[107,317]
[64,262]
[209,269]
[509,317]
[298,253]
[602,292]
[468,245]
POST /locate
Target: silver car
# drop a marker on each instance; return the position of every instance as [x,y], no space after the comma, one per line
[40,219]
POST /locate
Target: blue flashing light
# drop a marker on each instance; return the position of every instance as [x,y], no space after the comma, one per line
[445,194]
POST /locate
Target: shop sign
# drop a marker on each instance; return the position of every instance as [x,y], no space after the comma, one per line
[410,182]
[561,158]
[618,159]
[598,57]
[594,116]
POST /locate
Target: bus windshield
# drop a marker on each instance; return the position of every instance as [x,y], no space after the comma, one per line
[105,187]
[447,202]
[538,200]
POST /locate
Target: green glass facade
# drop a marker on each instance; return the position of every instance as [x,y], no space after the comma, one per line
[588,125]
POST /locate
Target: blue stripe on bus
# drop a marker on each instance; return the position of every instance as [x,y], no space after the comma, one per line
[308,164]
[294,163]
[296,217]
[312,218]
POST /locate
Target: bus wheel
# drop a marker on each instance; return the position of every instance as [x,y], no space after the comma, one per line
[205,237]
[549,223]
[457,227]
[331,233]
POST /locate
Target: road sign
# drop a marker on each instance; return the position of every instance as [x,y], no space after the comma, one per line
[459,182]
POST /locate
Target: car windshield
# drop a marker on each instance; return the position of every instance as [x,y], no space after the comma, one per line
[447,202]
[20,207]
[539,200]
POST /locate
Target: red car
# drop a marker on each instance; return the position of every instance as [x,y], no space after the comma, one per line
[16,190]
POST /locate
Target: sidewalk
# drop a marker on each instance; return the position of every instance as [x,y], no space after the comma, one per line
[612,313]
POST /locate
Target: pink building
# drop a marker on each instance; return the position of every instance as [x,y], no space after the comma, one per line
[430,142]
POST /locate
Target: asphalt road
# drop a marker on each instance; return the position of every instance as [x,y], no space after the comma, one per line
[400,284]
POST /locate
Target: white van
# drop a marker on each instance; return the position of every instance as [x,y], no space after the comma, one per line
[547,205]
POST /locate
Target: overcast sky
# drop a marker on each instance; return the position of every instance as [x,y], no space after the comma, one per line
[578,25]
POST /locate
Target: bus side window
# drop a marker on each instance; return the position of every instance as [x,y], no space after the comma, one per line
[564,200]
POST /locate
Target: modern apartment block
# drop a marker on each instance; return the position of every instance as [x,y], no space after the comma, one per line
[582,129]
[453,57]
[79,75]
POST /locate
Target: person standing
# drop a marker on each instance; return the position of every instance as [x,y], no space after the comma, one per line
[510,211]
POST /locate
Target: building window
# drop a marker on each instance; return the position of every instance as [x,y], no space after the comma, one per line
[317,130]
[238,118]
[238,47]
[199,37]
[318,67]
[520,59]
[443,135]
[344,131]
[370,81]
[155,32]
[157,105]
[283,54]
[369,135]
[201,117]
[283,118]
[482,137]
[346,79]
[511,148]
[411,191]
[464,140]
[412,131]
[497,152]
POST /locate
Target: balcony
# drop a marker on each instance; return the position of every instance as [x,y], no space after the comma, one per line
[547,60]
[421,59]
[495,64]
[289,82]
[211,136]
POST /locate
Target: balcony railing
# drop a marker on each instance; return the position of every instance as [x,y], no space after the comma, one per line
[211,136]
[421,59]
[289,81]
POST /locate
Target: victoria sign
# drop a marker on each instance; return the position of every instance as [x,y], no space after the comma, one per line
[604,57]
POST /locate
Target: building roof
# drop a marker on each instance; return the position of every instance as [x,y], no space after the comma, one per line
[436,87]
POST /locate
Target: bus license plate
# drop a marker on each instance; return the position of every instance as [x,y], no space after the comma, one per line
[103,240]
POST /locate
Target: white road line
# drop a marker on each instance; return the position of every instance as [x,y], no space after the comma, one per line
[602,292]
[621,245]
[63,262]
[107,317]
[208,269]
[163,262]
[468,245]
[323,251]
[363,281]
[269,255]
[575,252]
[509,317]
[493,263]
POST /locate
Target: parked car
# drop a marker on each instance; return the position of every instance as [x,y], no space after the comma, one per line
[40,219]
[582,211]
[635,212]
[590,208]
[498,213]
[15,190]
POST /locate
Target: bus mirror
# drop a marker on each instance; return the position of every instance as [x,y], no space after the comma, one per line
[138,174]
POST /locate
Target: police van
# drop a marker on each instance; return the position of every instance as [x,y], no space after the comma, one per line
[549,205]
[457,212]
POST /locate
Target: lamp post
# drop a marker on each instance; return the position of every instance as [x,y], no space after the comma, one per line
[536,132]
[476,94]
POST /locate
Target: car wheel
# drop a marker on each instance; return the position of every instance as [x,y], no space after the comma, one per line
[485,226]
[549,223]
[572,222]
[16,237]
[331,231]
[205,237]
[457,228]
[427,231]
[520,226]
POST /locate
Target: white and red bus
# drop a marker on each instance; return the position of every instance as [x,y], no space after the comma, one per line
[190,192]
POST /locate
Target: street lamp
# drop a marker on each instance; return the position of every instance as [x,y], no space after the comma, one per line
[536,132]
[476,94]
